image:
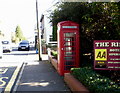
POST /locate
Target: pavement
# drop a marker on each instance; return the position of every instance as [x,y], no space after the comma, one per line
[39,76]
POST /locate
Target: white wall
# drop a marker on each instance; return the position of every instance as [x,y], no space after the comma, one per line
[47,28]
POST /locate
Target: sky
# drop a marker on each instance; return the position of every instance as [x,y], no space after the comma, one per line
[22,13]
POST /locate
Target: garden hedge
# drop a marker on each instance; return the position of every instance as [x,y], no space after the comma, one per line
[95,82]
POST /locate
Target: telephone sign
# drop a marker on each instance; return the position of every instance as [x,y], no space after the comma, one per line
[107,54]
[69,26]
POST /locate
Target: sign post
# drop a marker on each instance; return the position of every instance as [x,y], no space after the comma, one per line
[107,54]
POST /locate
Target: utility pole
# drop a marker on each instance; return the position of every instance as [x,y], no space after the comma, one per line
[39,36]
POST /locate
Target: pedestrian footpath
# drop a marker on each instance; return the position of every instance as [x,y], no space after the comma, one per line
[39,76]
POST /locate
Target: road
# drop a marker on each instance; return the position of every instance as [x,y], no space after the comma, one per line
[9,67]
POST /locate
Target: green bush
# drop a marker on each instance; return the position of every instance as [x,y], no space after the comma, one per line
[94,81]
[54,53]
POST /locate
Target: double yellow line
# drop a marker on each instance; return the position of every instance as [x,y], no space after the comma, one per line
[12,80]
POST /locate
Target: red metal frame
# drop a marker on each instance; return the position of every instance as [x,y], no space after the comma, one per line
[68,46]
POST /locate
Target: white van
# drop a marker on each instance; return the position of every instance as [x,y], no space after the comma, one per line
[1,50]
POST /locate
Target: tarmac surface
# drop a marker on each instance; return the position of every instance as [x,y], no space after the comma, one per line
[39,77]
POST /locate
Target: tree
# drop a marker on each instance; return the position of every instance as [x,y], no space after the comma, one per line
[13,38]
[24,38]
[102,23]
[19,35]
[98,20]
[54,33]
[1,34]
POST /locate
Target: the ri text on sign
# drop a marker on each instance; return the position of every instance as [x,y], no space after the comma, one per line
[107,54]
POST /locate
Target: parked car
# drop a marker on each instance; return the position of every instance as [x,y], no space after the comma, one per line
[1,50]
[6,46]
[24,45]
[32,44]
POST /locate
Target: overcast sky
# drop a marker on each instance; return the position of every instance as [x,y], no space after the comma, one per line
[21,12]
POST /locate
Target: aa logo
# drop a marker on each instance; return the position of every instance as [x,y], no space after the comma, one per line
[101,54]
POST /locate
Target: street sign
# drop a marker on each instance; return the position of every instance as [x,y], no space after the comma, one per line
[107,54]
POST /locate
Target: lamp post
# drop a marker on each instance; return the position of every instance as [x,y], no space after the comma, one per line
[39,36]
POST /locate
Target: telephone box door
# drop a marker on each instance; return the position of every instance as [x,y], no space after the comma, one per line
[70,50]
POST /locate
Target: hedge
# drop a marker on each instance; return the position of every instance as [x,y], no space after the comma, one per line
[95,82]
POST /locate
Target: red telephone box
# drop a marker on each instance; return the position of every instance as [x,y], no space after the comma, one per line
[68,46]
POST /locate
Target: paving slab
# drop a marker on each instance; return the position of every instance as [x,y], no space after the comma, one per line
[40,76]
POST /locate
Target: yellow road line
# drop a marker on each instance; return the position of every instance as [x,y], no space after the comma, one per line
[12,80]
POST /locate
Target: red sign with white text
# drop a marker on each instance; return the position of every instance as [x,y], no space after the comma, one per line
[107,54]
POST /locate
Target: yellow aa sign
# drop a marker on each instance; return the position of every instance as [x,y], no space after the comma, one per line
[101,54]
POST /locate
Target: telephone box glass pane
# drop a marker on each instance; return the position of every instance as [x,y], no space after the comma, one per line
[69,63]
[69,44]
[69,39]
[69,58]
[69,53]
[69,34]
[69,48]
